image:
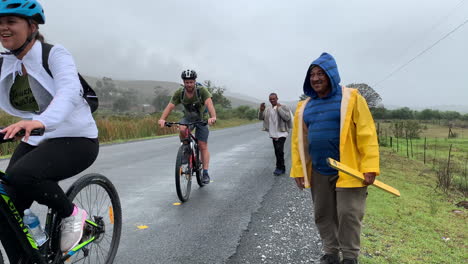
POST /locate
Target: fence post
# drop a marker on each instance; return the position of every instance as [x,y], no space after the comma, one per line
[411,143]
[464,174]
[407,146]
[397,145]
[449,178]
[425,150]
[378,133]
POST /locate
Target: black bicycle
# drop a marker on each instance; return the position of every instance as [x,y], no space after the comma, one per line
[101,235]
[188,162]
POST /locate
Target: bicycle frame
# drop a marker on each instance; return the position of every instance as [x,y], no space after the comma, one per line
[15,221]
[189,137]
[37,254]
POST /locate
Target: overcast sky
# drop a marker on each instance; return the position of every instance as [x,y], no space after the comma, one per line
[255,47]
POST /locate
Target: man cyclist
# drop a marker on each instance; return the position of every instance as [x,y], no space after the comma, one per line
[196,99]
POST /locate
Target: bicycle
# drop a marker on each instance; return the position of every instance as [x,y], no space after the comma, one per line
[188,161]
[101,236]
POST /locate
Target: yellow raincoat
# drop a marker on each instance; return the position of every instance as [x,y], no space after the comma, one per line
[359,148]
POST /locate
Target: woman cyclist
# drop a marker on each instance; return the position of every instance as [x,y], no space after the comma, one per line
[69,144]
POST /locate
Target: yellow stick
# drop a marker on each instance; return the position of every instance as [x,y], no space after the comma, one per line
[356,174]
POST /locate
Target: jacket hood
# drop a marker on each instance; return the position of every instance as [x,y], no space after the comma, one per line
[328,64]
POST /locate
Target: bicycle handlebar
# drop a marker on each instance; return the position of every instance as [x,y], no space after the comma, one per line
[34,132]
[169,124]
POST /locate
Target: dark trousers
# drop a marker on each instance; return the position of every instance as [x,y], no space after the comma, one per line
[33,174]
[278,144]
[338,215]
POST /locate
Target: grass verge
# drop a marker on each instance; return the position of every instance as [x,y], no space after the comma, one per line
[421,226]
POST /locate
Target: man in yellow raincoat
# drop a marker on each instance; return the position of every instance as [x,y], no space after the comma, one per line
[334,121]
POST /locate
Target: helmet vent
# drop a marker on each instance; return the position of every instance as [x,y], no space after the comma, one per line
[32,6]
[13,6]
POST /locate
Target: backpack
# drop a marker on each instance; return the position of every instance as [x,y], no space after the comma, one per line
[88,93]
[194,107]
[198,94]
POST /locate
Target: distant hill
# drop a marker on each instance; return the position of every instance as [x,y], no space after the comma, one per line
[148,90]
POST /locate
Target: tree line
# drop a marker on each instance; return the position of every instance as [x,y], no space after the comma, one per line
[407,114]
[125,100]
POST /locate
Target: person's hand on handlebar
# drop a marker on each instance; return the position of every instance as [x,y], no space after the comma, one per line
[28,125]
[211,120]
[161,123]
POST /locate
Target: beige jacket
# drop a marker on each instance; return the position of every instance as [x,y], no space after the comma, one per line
[284,118]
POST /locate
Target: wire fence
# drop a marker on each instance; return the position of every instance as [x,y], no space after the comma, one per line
[446,156]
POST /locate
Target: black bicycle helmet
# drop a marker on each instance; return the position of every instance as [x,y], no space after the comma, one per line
[189,75]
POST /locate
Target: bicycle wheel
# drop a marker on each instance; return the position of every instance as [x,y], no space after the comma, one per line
[199,170]
[97,195]
[183,173]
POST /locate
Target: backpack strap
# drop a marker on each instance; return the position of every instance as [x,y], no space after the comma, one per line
[182,95]
[46,47]
[88,93]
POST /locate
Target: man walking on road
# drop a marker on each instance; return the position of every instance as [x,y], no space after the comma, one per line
[277,122]
[334,121]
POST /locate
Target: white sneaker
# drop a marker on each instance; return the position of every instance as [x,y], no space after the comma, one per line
[72,230]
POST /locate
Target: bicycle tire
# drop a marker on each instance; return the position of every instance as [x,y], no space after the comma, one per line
[107,211]
[183,173]
[199,170]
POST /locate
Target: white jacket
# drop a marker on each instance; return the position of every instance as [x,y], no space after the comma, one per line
[68,114]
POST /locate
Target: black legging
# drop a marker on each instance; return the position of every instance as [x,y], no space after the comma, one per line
[33,174]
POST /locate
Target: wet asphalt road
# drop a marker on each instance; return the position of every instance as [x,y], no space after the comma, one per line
[246,215]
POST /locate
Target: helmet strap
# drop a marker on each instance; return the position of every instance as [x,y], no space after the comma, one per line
[18,51]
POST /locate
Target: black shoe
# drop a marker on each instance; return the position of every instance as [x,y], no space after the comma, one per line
[206,178]
[330,259]
[277,172]
[350,261]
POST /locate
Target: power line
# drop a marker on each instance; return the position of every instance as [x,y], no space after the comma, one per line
[421,53]
[435,25]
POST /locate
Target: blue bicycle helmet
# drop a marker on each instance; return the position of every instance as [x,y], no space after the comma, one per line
[23,8]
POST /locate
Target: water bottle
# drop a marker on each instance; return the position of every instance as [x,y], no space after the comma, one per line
[34,226]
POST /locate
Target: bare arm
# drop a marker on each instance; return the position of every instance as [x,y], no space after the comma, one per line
[261,112]
[211,110]
[165,114]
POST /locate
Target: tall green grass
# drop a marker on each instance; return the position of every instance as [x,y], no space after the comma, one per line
[421,226]
[115,128]
[434,147]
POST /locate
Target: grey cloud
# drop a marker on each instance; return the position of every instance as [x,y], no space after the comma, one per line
[255,47]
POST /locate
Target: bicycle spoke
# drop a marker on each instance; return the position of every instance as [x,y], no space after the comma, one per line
[100,200]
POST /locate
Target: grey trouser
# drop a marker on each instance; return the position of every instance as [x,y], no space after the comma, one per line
[338,214]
